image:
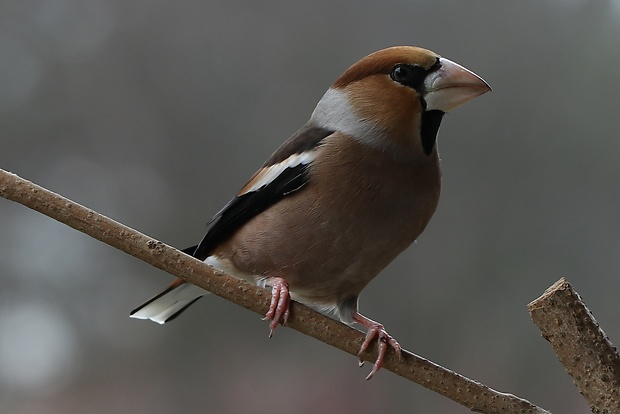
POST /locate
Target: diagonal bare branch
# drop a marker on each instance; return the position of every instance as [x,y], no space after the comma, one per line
[472,394]
[580,345]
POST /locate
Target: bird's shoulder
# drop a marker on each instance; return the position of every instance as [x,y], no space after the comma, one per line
[284,173]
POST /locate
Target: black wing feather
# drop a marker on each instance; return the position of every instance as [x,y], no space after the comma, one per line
[242,208]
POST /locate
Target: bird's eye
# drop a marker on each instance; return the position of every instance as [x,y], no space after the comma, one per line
[408,75]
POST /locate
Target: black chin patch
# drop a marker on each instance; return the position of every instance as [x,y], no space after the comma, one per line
[431,120]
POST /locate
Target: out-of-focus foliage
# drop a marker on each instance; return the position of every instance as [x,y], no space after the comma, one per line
[156,112]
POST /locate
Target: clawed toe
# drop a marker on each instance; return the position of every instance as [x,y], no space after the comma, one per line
[376,330]
[279,309]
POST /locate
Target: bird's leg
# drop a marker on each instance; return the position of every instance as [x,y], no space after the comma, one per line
[375,330]
[280,301]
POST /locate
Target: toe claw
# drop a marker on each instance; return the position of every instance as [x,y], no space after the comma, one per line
[279,308]
[371,374]
[376,330]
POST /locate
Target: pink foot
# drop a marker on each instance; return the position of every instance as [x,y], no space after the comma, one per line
[375,330]
[280,301]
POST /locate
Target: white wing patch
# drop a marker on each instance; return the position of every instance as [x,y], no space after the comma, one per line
[266,175]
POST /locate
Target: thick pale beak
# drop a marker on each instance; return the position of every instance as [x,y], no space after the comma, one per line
[452,85]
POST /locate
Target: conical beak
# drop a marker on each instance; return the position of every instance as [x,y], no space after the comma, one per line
[452,85]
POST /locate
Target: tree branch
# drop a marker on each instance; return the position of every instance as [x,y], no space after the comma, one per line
[472,394]
[580,345]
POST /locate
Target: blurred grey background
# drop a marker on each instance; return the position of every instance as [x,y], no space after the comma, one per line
[156,112]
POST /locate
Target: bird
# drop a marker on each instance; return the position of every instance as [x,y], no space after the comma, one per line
[342,197]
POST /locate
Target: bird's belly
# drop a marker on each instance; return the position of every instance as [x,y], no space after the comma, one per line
[330,238]
[328,260]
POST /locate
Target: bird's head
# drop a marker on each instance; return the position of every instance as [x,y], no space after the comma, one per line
[395,98]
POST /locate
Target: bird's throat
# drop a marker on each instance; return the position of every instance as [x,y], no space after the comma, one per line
[431,120]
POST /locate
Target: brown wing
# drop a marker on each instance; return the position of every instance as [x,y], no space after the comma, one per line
[284,173]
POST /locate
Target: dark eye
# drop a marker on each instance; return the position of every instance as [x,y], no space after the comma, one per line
[408,75]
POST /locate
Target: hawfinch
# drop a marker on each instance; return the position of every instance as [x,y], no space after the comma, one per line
[342,197]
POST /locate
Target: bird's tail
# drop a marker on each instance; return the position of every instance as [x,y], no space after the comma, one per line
[171,302]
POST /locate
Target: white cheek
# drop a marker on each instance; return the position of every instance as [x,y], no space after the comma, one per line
[334,112]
